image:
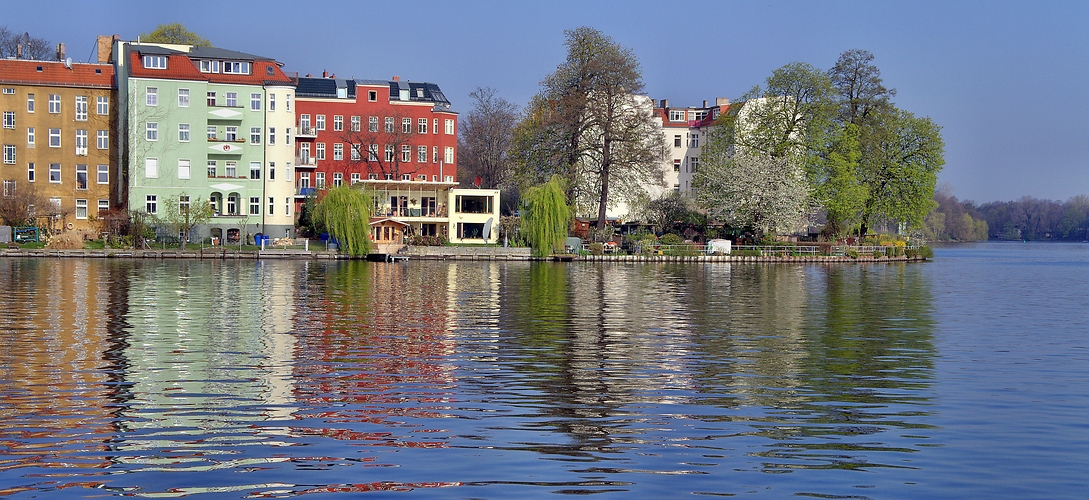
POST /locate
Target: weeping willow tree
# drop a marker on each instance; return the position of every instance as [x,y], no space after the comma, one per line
[345,213]
[546,216]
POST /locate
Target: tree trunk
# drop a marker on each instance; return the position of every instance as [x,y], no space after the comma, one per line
[606,163]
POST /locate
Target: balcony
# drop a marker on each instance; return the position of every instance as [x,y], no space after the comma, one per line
[306,132]
[306,191]
[305,161]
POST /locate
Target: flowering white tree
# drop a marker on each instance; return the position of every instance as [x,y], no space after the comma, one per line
[768,194]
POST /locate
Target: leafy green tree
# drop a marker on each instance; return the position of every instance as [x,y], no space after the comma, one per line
[901,157]
[175,33]
[345,213]
[546,216]
[838,188]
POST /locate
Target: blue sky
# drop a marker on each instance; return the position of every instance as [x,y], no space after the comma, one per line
[1006,80]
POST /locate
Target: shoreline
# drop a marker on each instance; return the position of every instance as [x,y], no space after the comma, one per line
[491,254]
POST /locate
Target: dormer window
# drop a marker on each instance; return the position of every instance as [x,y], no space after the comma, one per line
[155,62]
[420,93]
[236,67]
[209,66]
[676,115]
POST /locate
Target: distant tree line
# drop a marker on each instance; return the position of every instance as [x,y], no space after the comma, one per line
[33,47]
[1027,218]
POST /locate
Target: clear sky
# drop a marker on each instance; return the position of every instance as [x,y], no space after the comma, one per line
[1007,81]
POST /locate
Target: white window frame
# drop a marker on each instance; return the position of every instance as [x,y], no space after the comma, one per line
[10,154]
[255,102]
[102,139]
[154,62]
[55,173]
[81,108]
[54,104]
[9,120]
[185,168]
[255,135]
[151,96]
[151,168]
[184,132]
[81,208]
[183,98]
[449,126]
[102,105]
[54,137]
[102,175]
[338,123]
[151,131]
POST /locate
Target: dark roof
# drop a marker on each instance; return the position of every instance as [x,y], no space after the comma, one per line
[327,87]
[263,71]
[218,53]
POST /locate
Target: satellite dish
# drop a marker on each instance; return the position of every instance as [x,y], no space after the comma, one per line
[68,62]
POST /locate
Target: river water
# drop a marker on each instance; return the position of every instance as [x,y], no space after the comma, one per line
[967,376]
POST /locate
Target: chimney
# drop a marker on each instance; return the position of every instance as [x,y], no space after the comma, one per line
[19,51]
[396,78]
[105,49]
[705,103]
[722,101]
[308,75]
[324,74]
[665,103]
[60,51]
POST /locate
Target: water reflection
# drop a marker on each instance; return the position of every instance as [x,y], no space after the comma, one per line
[317,377]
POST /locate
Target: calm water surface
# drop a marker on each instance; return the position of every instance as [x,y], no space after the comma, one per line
[963,377]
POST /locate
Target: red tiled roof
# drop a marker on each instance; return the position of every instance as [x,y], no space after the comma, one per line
[180,67]
[25,72]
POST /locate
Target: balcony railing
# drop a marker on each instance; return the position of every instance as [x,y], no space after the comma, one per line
[306,161]
[306,132]
[306,191]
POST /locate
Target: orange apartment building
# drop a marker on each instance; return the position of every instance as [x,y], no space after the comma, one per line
[58,141]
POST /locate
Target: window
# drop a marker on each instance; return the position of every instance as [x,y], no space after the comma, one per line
[183,98]
[372,95]
[695,140]
[151,204]
[102,139]
[304,180]
[183,203]
[152,96]
[271,170]
[255,170]
[151,168]
[287,206]
[272,135]
[421,126]
[435,126]
[209,66]
[406,125]
[211,98]
[232,99]
[255,102]
[448,156]
[81,177]
[30,172]
[255,135]
[304,152]
[355,152]
[212,167]
[355,124]
[54,137]
[211,132]
[272,102]
[230,134]
[103,206]
[288,103]
[9,90]
[231,169]
[699,115]
[677,141]
[287,172]
[319,122]
[421,154]
[155,62]
[372,124]
[55,203]
[449,127]
[435,154]
[30,103]
[338,151]
[304,123]
[236,67]
[389,125]
[9,119]
[406,153]
[232,204]
[287,136]
[271,204]
[677,165]
[320,180]
[30,137]
[372,152]
[103,174]
[356,179]
[338,178]
[694,163]
[389,153]
[54,103]
[152,133]
[81,142]
[81,108]
[9,154]
[81,208]
[183,132]
[676,115]
[102,106]
[54,173]
[338,123]
[183,169]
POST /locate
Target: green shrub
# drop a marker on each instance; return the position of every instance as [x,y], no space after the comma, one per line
[852,253]
[910,253]
[926,252]
[877,254]
[597,248]
[671,239]
[745,253]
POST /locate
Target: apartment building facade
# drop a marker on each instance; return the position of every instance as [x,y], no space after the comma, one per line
[686,130]
[205,125]
[58,141]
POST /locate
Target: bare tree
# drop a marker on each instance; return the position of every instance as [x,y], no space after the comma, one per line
[381,145]
[18,203]
[485,140]
[33,48]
